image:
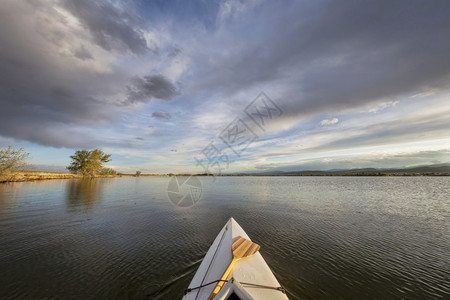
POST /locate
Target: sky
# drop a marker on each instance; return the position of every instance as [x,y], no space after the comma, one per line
[227,86]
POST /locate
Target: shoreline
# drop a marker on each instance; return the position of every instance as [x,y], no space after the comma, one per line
[26,176]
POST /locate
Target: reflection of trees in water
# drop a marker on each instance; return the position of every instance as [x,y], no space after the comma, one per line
[84,194]
[9,192]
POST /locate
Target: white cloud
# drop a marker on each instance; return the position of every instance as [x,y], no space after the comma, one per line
[230,9]
[329,122]
[381,106]
[176,67]
[425,94]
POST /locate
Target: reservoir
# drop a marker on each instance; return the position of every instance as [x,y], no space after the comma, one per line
[323,237]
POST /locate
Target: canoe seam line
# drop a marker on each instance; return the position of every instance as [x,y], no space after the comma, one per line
[214,257]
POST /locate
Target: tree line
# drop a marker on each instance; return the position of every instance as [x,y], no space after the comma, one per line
[89,163]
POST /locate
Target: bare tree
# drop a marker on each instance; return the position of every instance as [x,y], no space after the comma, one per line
[11,161]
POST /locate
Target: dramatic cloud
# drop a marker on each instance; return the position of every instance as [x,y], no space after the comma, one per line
[54,79]
[86,73]
[44,91]
[148,87]
[335,55]
[111,28]
[161,115]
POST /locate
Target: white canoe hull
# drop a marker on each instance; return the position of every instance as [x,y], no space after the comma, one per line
[246,275]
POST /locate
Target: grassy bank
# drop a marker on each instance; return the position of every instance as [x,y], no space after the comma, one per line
[36,175]
[22,176]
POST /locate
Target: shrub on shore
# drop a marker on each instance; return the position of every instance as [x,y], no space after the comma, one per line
[12,161]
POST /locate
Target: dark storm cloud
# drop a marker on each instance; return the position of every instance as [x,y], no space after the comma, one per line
[148,87]
[44,97]
[339,54]
[111,28]
[51,98]
[50,117]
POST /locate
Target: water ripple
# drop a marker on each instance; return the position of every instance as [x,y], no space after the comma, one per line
[324,238]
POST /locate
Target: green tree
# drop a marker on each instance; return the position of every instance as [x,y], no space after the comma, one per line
[107,171]
[138,173]
[11,161]
[88,163]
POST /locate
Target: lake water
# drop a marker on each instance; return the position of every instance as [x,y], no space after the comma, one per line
[323,237]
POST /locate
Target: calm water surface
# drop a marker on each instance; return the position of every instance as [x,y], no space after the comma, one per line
[323,237]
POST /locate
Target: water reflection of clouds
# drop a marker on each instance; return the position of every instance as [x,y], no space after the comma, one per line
[84,194]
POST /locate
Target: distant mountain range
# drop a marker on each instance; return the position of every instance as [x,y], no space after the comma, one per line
[441,169]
